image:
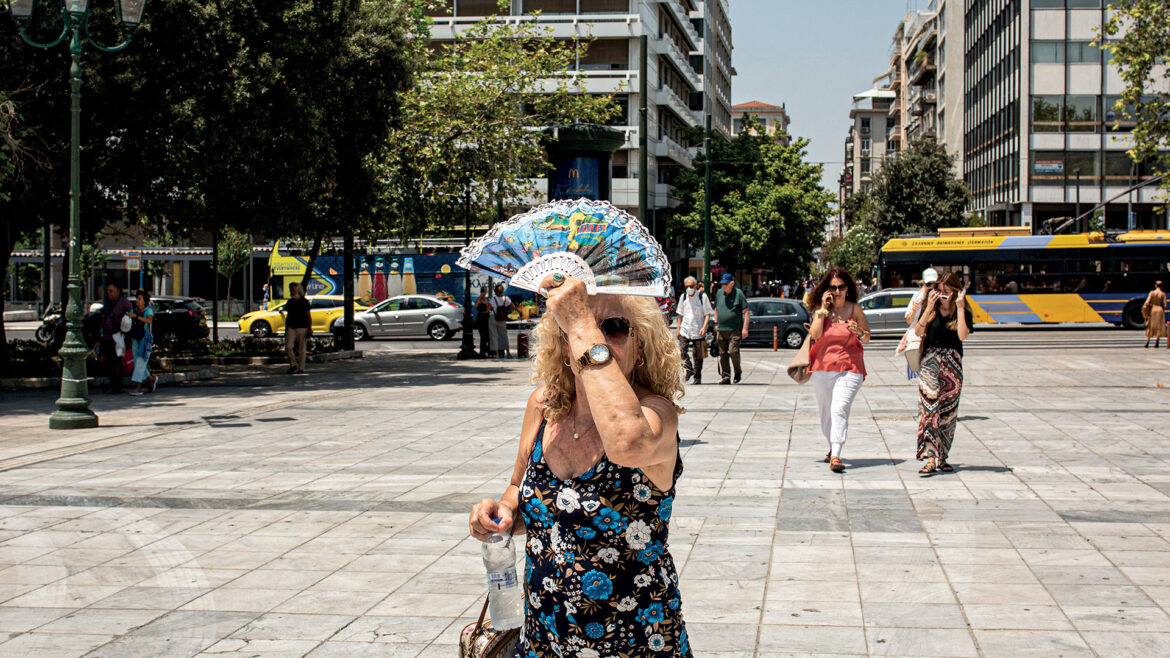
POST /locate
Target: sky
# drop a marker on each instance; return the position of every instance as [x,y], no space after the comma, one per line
[812,56]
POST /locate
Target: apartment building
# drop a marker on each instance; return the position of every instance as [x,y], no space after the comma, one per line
[773,118]
[688,73]
[1041,139]
[867,146]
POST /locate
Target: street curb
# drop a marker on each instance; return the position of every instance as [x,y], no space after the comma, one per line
[33,383]
[254,360]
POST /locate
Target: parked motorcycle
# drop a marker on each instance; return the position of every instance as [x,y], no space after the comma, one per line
[49,321]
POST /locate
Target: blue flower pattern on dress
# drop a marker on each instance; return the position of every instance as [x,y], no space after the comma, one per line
[599,578]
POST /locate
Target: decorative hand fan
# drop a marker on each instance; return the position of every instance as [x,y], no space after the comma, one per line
[603,246]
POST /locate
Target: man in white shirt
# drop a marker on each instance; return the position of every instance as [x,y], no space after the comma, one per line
[694,317]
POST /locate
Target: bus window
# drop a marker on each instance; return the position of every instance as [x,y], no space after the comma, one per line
[990,278]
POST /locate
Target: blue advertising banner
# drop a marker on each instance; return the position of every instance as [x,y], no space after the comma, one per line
[577,177]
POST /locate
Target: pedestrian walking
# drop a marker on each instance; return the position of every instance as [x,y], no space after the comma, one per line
[944,325]
[483,309]
[731,325]
[1154,311]
[913,312]
[594,481]
[694,317]
[298,327]
[142,342]
[837,357]
[113,338]
[501,306]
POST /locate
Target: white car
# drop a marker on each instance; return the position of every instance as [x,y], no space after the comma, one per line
[885,310]
[408,315]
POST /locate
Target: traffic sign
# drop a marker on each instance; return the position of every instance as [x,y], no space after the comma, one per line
[133,260]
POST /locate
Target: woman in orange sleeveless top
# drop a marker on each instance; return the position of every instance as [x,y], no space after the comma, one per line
[836,358]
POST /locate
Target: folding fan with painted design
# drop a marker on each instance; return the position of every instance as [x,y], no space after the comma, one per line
[603,246]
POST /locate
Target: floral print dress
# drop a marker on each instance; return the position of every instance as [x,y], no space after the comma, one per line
[599,580]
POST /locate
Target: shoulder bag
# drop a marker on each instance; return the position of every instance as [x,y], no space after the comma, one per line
[798,369]
[480,640]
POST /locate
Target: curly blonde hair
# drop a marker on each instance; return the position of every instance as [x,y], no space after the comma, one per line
[656,371]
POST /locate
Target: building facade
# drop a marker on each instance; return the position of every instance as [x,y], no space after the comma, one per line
[773,118]
[688,73]
[1042,140]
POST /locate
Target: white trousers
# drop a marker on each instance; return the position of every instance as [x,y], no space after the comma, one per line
[835,393]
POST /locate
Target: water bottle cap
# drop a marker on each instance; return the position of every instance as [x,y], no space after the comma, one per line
[496,519]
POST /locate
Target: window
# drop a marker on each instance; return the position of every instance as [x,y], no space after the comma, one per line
[1046,113]
[1047,52]
[1083,52]
[1086,162]
[865,143]
[605,6]
[389,305]
[771,308]
[875,303]
[1083,4]
[320,302]
[900,300]
[480,8]
[865,165]
[1080,113]
[1047,4]
[420,304]
[1048,168]
[545,6]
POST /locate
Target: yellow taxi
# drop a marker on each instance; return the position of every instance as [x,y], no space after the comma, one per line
[323,309]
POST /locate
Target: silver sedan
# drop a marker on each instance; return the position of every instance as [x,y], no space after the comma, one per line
[885,310]
[409,316]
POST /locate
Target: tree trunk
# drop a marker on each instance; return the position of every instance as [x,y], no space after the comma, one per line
[5,256]
[313,253]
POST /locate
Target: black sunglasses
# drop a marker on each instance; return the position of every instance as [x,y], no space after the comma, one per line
[615,327]
[840,288]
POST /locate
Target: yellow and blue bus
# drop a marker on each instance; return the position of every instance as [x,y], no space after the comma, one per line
[1015,276]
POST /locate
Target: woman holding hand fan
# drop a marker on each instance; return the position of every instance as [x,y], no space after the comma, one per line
[594,480]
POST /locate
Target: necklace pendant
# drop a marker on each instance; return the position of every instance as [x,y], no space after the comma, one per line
[576,435]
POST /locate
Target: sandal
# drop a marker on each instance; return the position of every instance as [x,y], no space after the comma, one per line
[835,465]
[828,457]
[945,467]
[929,469]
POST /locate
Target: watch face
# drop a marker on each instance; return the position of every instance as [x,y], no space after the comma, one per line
[599,354]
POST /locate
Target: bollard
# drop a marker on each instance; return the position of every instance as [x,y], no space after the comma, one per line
[522,345]
[775,337]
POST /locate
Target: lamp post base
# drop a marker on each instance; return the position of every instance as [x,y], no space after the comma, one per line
[73,419]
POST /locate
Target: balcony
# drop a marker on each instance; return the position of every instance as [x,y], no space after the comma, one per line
[893,133]
[917,108]
[864,130]
[930,97]
[920,69]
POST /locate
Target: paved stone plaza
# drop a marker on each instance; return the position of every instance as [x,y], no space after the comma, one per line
[265,515]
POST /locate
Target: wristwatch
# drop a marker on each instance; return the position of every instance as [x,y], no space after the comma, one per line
[595,356]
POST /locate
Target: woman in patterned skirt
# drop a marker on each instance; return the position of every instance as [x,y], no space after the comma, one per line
[594,481]
[944,325]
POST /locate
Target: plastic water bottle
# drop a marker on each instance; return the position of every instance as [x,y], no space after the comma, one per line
[505,596]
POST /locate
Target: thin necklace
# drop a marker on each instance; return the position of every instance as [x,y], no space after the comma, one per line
[576,434]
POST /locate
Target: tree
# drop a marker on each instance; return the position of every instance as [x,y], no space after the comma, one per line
[768,210]
[260,116]
[235,250]
[854,252]
[1137,36]
[466,131]
[916,192]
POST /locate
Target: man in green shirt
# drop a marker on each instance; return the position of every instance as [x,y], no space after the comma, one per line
[731,325]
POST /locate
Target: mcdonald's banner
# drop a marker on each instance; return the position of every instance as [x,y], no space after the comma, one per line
[577,177]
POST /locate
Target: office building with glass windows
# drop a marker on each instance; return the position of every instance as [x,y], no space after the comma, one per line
[688,70]
[1041,140]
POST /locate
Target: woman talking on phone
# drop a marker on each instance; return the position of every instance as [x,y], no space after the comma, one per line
[836,358]
[943,326]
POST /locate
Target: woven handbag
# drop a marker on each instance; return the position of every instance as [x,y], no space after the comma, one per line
[480,640]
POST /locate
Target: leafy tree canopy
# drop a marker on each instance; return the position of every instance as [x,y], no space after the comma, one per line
[768,210]
[1137,35]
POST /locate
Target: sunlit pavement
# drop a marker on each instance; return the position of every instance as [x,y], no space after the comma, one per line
[325,514]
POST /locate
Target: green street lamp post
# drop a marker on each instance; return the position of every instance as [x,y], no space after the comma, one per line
[73,410]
